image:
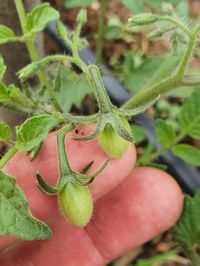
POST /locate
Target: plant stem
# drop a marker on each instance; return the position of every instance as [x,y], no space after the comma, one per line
[167,84]
[190,83]
[146,95]
[159,152]
[100,33]
[177,24]
[33,53]
[191,254]
[7,157]
[18,109]
[65,168]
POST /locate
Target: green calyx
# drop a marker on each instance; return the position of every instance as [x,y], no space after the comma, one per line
[112,128]
[72,190]
[66,173]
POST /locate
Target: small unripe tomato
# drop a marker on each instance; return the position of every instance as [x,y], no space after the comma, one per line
[76,204]
[114,145]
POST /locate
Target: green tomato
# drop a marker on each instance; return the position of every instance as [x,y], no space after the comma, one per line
[111,142]
[76,204]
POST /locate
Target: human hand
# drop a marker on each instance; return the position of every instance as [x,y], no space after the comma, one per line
[125,216]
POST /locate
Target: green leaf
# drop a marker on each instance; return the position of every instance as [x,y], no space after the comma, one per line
[5,133]
[2,68]
[157,259]
[165,134]
[187,153]
[78,3]
[151,71]
[114,28]
[112,33]
[15,216]
[33,131]
[3,93]
[140,76]
[39,17]
[6,34]
[189,117]
[142,160]
[138,134]
[187,229]
[70,90]
[12,94]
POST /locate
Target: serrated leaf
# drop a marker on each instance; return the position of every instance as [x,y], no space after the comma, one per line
[33,131]
[39,17]
[15,216]
[6,34]
[5,133]
[78,3]
[165,134]
[187,153]
[72,90]
[11,94]
[2,68]
[189,117]
[187,229]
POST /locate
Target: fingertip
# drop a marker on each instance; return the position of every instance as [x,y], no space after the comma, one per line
[147,203]
[159,185]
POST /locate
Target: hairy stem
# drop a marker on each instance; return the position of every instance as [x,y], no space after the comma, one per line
[7,157]
[65,168]
[101,28]
[33,53]
[162,150]
[169,83]
[191,254]
[178,24]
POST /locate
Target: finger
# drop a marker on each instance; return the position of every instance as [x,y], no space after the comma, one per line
[80,154]
[148,203]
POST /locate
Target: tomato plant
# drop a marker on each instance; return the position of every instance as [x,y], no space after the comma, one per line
[107,129]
